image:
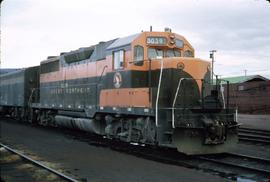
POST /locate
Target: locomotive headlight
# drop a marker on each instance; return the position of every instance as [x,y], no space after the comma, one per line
[172,36]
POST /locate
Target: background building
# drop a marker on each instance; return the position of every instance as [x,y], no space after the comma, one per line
[250,94]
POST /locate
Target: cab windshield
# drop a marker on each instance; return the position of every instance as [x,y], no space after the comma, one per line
[159,53]
[155,53]
[173,53]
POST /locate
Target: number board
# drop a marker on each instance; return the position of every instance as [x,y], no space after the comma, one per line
[156,40]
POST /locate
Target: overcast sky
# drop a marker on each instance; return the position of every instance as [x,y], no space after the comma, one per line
[239,30]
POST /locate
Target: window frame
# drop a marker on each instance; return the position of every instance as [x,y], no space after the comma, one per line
[188,53]
[158,49]
[241,87]
[135,54]
[173,51]
[113,58]
[177,41]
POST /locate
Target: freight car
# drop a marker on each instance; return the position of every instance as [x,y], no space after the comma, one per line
[16,89]
[146,88]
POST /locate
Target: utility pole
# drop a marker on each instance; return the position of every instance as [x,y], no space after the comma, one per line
[0,33]
[1,1]
[213,60]
[245,73]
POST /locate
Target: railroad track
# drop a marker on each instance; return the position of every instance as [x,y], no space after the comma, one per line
[62,177]
[229,165]
[243,162]
[254,135]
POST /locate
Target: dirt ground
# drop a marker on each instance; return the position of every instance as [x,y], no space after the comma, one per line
[92,163]
[16,169]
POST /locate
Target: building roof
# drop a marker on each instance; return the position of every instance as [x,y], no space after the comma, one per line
[242,79]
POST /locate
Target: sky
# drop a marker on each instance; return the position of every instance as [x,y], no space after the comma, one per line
[239,30]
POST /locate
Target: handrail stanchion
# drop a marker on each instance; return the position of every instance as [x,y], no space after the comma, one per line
[174,100]
[159,83]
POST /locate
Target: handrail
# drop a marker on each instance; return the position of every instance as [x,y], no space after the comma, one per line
[106,66]
[174,100]
[236,115]
[159,83]
[100,77]
[222,95]
[228,84]
[175,97]
[31,96]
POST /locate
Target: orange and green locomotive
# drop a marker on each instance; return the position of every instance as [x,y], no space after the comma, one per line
[145,88]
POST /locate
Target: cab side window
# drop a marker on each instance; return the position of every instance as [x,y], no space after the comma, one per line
[118,59]
[138,53]
[188,53]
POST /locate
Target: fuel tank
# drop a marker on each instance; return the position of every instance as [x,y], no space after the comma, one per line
[85,124]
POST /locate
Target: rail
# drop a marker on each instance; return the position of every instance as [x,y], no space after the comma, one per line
[39,164]
[254,135]
[245,162]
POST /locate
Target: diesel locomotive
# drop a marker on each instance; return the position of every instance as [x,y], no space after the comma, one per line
[145,88]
